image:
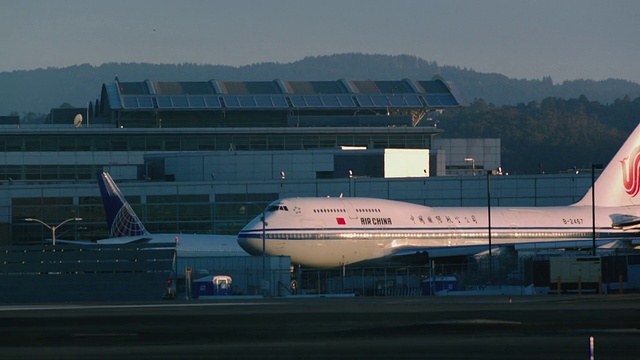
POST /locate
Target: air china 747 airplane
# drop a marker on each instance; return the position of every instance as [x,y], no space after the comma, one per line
[330,232]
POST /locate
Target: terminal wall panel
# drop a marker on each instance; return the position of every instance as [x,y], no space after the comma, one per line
[294,189]
[283,159]
[257,168]
[85,158]
[257,159]
[333,189]
[231,188]
[323,158]
[193,189]
[69,158]
[19,159]
[185,169]
[261,188]
[372,189]
[505,192]
[327,165]
[476,202]
[29,158]
[226,169]
[125,172]
[524,186]
[379,187]
[444,202]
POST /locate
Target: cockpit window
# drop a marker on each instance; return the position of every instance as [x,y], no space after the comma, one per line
[277,207]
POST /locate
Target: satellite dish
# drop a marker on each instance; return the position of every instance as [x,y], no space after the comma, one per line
[77,121]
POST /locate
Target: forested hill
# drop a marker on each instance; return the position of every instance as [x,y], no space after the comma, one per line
[543,126]
[40,90]
[551,135]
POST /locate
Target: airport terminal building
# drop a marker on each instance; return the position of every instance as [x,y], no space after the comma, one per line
[206,157]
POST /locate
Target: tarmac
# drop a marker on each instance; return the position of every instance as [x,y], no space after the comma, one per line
[439,327]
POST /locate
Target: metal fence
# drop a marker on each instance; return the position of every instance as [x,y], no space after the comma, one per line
[503,271]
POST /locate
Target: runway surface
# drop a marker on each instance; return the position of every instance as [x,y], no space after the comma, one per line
[549,327]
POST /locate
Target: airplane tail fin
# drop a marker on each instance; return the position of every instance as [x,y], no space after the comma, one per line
[619,182]
[121,218]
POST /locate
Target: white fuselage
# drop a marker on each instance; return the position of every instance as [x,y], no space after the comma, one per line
[188,245]
[329,232]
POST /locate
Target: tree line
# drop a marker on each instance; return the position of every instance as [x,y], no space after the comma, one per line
[551,135]
[42,89]
[543,126]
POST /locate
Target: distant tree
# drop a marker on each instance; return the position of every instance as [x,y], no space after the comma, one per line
[33,118]
[42,89]
[556,133]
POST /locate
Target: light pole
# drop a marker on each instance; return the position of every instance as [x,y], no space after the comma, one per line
[473,164]
[489,222]
[264,245]
[264,251]
[52,228]
[282,176]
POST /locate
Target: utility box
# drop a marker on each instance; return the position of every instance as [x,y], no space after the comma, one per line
[432,286]
[212,286]
[575,272]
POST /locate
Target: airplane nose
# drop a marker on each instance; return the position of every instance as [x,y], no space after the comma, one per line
[250,245]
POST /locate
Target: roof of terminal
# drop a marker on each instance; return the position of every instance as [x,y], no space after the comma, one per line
[281,95]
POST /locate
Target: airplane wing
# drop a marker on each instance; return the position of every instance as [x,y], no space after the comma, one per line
[625,222]
[413,254]
[71,242]
[142,240]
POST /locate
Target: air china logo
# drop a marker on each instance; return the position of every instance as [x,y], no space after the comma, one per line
[631,172]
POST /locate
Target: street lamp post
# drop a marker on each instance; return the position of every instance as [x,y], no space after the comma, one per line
[489,222]
[264,245]
[264,251]
[54,227]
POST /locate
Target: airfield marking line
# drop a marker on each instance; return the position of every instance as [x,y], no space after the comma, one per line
[609,331]
[473,322]
[124,306]
[95,335]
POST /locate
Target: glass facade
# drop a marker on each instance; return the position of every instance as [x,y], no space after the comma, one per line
[25,142]
[233,211]
[186,214]
[72,155]
[115,142]
[49,172]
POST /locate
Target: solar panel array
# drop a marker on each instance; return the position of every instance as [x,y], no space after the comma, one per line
[339,101]
[137,102]
[279,95]
[189,101]
[389,101]
[322,101]
[255,101]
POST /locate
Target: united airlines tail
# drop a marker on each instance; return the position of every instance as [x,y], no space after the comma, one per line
[121,218]
[619,183]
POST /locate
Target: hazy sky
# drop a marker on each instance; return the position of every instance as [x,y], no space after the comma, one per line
[564,39]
